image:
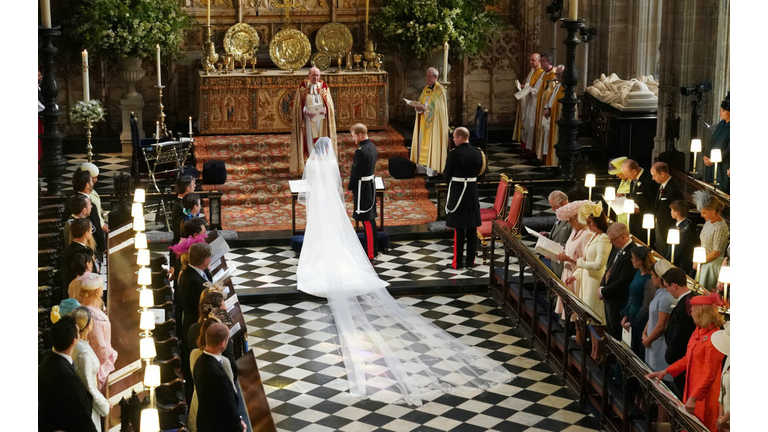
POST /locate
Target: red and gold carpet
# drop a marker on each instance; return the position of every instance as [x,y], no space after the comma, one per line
[256,196]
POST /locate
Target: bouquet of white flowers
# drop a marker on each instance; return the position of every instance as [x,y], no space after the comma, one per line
[83,112]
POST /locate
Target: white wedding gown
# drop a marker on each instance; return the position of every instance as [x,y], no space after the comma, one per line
[391,353]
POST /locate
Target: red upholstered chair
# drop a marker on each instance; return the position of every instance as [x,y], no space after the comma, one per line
[500,204]
[513,222]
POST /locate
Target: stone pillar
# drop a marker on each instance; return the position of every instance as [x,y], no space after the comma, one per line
[131,72]
[694,48]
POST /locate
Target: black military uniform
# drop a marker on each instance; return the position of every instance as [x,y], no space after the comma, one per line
[462,167]
[363,187]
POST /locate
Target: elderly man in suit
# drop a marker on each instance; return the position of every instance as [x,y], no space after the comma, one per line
[464,164]
[667,193]
[363,186]
[614,287]
[560,231]
[64,403]
[191,286]
[680,325]
[642,190]
[216,395]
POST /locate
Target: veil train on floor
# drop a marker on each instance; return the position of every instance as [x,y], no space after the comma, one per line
[391,353]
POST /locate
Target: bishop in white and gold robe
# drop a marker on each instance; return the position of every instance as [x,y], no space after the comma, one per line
[430,131]
[314,116]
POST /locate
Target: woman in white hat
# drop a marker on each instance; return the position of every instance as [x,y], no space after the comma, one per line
[94,196]
[88,290]
[722,341]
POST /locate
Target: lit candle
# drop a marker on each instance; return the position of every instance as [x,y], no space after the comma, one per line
[157,129]
[45,13]
[190,125]
[573,8]
[159,82]
[86,87]
[445,62]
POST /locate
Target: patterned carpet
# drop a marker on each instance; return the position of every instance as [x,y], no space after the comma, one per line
[256,196]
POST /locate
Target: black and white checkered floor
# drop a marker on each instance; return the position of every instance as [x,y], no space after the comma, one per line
[305,379]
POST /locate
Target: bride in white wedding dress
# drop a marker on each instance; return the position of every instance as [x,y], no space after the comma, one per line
[391,353]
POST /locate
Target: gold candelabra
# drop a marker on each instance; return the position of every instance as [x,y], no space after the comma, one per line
[209,52]
[161,115]
[89,147]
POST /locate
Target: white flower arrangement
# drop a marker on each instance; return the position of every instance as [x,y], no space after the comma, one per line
[83,112]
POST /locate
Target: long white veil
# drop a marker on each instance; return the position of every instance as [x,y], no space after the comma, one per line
[391,353]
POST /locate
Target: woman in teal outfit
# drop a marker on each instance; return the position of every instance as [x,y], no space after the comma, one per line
[641,290]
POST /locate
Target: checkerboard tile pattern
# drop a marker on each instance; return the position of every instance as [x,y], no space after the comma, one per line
[305,379]
[109,164]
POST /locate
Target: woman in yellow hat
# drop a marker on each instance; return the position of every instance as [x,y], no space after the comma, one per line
[614,168]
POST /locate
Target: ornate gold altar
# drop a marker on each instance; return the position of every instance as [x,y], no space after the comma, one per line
[245,103]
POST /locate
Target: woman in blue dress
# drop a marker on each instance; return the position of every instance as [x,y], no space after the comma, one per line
[635,312]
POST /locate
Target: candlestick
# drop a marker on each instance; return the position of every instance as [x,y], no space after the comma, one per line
[190,125]
[45,13]
[86,87]
[159,81]
[573,9]
[445,61]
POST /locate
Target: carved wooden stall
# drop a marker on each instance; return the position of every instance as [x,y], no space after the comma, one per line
[530,300]
[244,103]
[122,307]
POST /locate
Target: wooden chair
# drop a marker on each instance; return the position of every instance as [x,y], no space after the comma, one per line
[513,221]
[498,211]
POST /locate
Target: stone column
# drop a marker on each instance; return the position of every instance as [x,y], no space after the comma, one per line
[694,48]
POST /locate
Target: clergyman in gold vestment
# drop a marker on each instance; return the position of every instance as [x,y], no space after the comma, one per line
[313,117]
[430,132]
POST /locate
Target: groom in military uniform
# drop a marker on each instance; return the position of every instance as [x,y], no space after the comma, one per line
[363,187]
[462,167]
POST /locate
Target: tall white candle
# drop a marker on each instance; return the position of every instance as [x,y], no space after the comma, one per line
[445,62]
[157,129]
[86,86]
[209,12]
[45,13]
[159,82]
[190,125]
[573,9]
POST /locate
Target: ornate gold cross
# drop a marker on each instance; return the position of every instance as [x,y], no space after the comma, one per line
[287,5]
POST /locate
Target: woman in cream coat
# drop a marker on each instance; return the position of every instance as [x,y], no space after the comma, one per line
[590,268]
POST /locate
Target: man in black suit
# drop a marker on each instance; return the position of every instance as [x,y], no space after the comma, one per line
[680,325]
[642,191]
[190,288]
[462,167]
[216,396]
[614,287]
[668,192]
[363,186]
[560,231]
[64,403]
[688,239]
[82,184]
[80,229]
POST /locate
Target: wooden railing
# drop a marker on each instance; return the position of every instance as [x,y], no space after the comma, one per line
[530,301]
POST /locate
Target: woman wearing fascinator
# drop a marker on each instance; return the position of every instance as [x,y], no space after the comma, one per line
[574,247]
[590,269]
[374,331]
[714,236]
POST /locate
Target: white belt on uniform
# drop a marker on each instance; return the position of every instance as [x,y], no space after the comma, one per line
[359,184]
[464,180]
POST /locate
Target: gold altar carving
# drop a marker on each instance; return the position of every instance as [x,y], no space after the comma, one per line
[241,39]
[290,49]
[240,103]
[335,39]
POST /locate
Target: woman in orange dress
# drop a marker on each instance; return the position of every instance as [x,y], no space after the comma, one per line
[702,362]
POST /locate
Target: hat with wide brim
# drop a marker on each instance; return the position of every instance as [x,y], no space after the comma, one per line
[614,166]
[721,339]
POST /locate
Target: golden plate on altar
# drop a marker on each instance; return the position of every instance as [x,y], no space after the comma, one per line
[320,60]
[290,49]
[241,39]
[334,39]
